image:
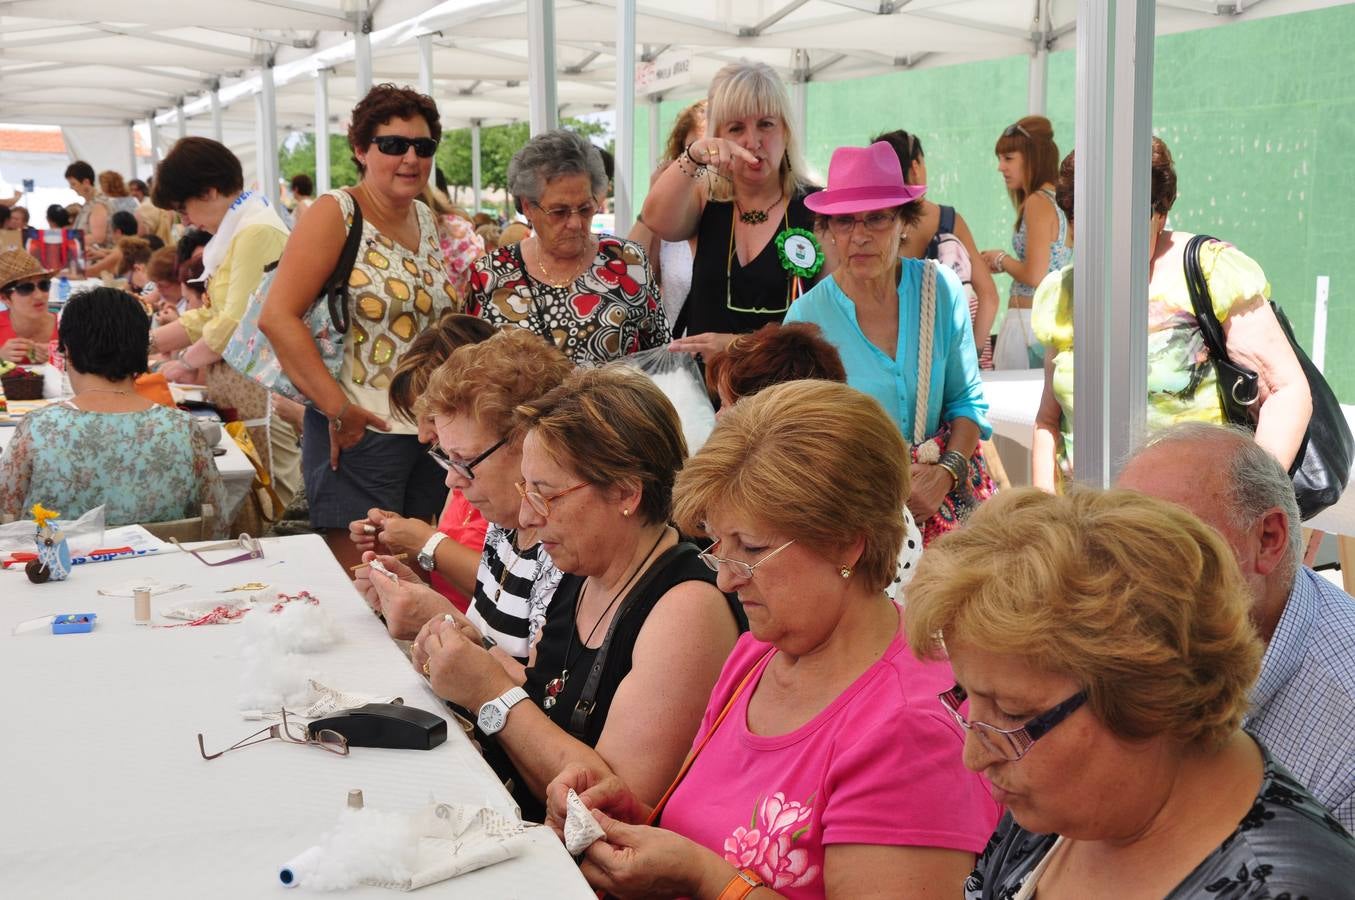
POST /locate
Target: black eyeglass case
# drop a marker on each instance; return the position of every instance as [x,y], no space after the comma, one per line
[385,725]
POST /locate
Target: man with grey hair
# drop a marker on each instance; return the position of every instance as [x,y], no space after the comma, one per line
[1303,703]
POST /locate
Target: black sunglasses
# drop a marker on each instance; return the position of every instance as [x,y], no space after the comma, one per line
[28,287]
[395,145]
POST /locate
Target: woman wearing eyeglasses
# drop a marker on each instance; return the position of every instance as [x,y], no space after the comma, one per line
[1103,643]
[27,328]
[1028,160]
[824,766]
[354,455]
[469,403]
[902,328]
[593,296]
[637,631]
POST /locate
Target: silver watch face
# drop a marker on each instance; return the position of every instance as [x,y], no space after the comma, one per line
[425,561]
[491,718]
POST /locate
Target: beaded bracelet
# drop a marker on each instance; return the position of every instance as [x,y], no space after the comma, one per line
[954,462]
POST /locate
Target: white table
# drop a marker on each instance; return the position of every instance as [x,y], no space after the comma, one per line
[237,472]
[105,793]
[1014,399]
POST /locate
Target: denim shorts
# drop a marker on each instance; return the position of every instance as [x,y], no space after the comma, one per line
[390,471]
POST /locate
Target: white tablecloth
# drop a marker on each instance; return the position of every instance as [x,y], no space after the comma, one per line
[237,473]
[103,789]
[1014,399]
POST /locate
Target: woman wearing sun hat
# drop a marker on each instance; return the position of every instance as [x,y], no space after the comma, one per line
[885,315]
[27,328]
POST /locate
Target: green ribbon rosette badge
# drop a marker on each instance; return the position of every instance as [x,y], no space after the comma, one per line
[800,252]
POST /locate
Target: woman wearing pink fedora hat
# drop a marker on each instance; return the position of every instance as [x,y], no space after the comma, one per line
[902,328]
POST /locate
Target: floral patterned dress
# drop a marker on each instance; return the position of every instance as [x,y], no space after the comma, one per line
[152,465]
[609,311]
[1287,846]
[461,247]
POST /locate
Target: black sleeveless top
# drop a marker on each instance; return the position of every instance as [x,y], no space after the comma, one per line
[678,565]
[754,295]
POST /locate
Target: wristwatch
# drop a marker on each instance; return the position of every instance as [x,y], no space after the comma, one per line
[425,556]
[495,713]
[744,882]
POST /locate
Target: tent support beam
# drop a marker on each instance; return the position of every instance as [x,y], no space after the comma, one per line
[541,66]
[623,180]
[268,145]
[322,175]
[475,161]
[131,148]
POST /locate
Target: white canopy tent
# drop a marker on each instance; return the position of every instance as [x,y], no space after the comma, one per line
[245,70]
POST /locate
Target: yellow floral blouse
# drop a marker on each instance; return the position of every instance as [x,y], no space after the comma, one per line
[1181,382]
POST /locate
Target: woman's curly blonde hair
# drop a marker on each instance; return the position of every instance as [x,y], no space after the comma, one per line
[1131,596]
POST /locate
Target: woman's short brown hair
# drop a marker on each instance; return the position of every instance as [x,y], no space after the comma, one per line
[111,184]
[163,265]
[1164,178]
[383,103]
[814,460]
[428,351]
[692,117]
[1033,138]
[773,354]
[487,381]
[134,250]
[193,166]
[612,426]
[1131,596]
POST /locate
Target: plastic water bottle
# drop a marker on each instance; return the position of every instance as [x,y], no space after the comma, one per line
[63,289]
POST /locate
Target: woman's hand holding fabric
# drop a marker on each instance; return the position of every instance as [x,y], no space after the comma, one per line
[363,580]
[176,372]
[642,861]
[931,483]
[405,601]
[400,533]
[459,669]
[598,788]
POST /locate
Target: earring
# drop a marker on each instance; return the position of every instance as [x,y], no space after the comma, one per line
[845,572]
[625,512]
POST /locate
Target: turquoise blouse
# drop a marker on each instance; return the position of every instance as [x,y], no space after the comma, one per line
[956,391]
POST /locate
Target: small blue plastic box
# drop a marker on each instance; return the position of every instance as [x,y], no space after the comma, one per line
[73,623]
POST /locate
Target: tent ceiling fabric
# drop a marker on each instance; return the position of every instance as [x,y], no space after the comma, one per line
[57,66]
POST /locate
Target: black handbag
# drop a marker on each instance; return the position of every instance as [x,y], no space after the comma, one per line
[1321,467]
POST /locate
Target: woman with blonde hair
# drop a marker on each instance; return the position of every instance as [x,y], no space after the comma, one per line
[823,766]
[1102,643]
[461,246]
[1028,160]
[115,189]
[740,192]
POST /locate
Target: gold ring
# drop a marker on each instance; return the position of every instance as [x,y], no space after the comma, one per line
[425,669]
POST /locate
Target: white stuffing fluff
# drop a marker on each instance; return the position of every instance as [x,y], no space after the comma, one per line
[298,627]
[271,679]
[368,845]
[692,404]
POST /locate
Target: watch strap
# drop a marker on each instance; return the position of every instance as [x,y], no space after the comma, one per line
[505,702]
[426,555]
[744,882]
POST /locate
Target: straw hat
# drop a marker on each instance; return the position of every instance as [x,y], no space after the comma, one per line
[861,179]
[16,265]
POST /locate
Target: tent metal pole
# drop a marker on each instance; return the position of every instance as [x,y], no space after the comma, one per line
[1037,91]
[155,140]
[1110,317]
[322,176]
[624,178]
[541,66]
[799,95]
[268,146]
[475,162]
[131,148]
[182,119]
[214,99]
[362,58]
[426,86]
[655,150]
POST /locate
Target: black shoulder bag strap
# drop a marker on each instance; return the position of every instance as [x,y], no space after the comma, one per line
[336,288]
[946,225]
[1239,388]
[583,709]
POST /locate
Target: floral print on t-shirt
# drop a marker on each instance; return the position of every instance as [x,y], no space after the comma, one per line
[768,844]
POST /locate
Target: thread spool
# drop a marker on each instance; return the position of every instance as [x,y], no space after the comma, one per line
[355,799]
[141,603]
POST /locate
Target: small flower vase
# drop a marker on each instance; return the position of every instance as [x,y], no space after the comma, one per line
[55,554]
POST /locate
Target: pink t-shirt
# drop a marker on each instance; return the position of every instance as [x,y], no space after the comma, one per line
[880,765]
[462,523]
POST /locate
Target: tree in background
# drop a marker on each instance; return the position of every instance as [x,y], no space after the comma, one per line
[498,143]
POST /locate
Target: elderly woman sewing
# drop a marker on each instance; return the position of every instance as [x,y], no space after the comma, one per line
[636,633]
[594,297]
[1103,645]
[823,766]
[902,327]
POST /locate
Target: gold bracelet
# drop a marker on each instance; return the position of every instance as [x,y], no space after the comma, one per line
[336,420]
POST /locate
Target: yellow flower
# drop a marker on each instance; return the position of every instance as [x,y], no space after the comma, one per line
[42,516]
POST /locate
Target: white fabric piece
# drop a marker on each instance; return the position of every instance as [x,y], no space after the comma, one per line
[192,610]
[689,397]
[248,209]
[581,829]
[675,277]
[406,851]
[1014,339]
[323,701]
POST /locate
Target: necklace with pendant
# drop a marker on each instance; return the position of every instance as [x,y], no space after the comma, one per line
[556,685]
[550,279]
[756,216]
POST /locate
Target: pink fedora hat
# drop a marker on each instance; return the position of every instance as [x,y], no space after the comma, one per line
[861,179]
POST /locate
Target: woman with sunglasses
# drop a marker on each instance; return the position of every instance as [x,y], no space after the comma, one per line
[27,327]
[593,296]
[824,766]
[1103,643]
[637,631]
[902,328]
[107,445]
[1028,160]
[355,456]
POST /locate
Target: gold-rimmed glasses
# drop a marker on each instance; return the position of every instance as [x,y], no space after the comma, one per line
[738,567]
[325,739]
[539,502]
